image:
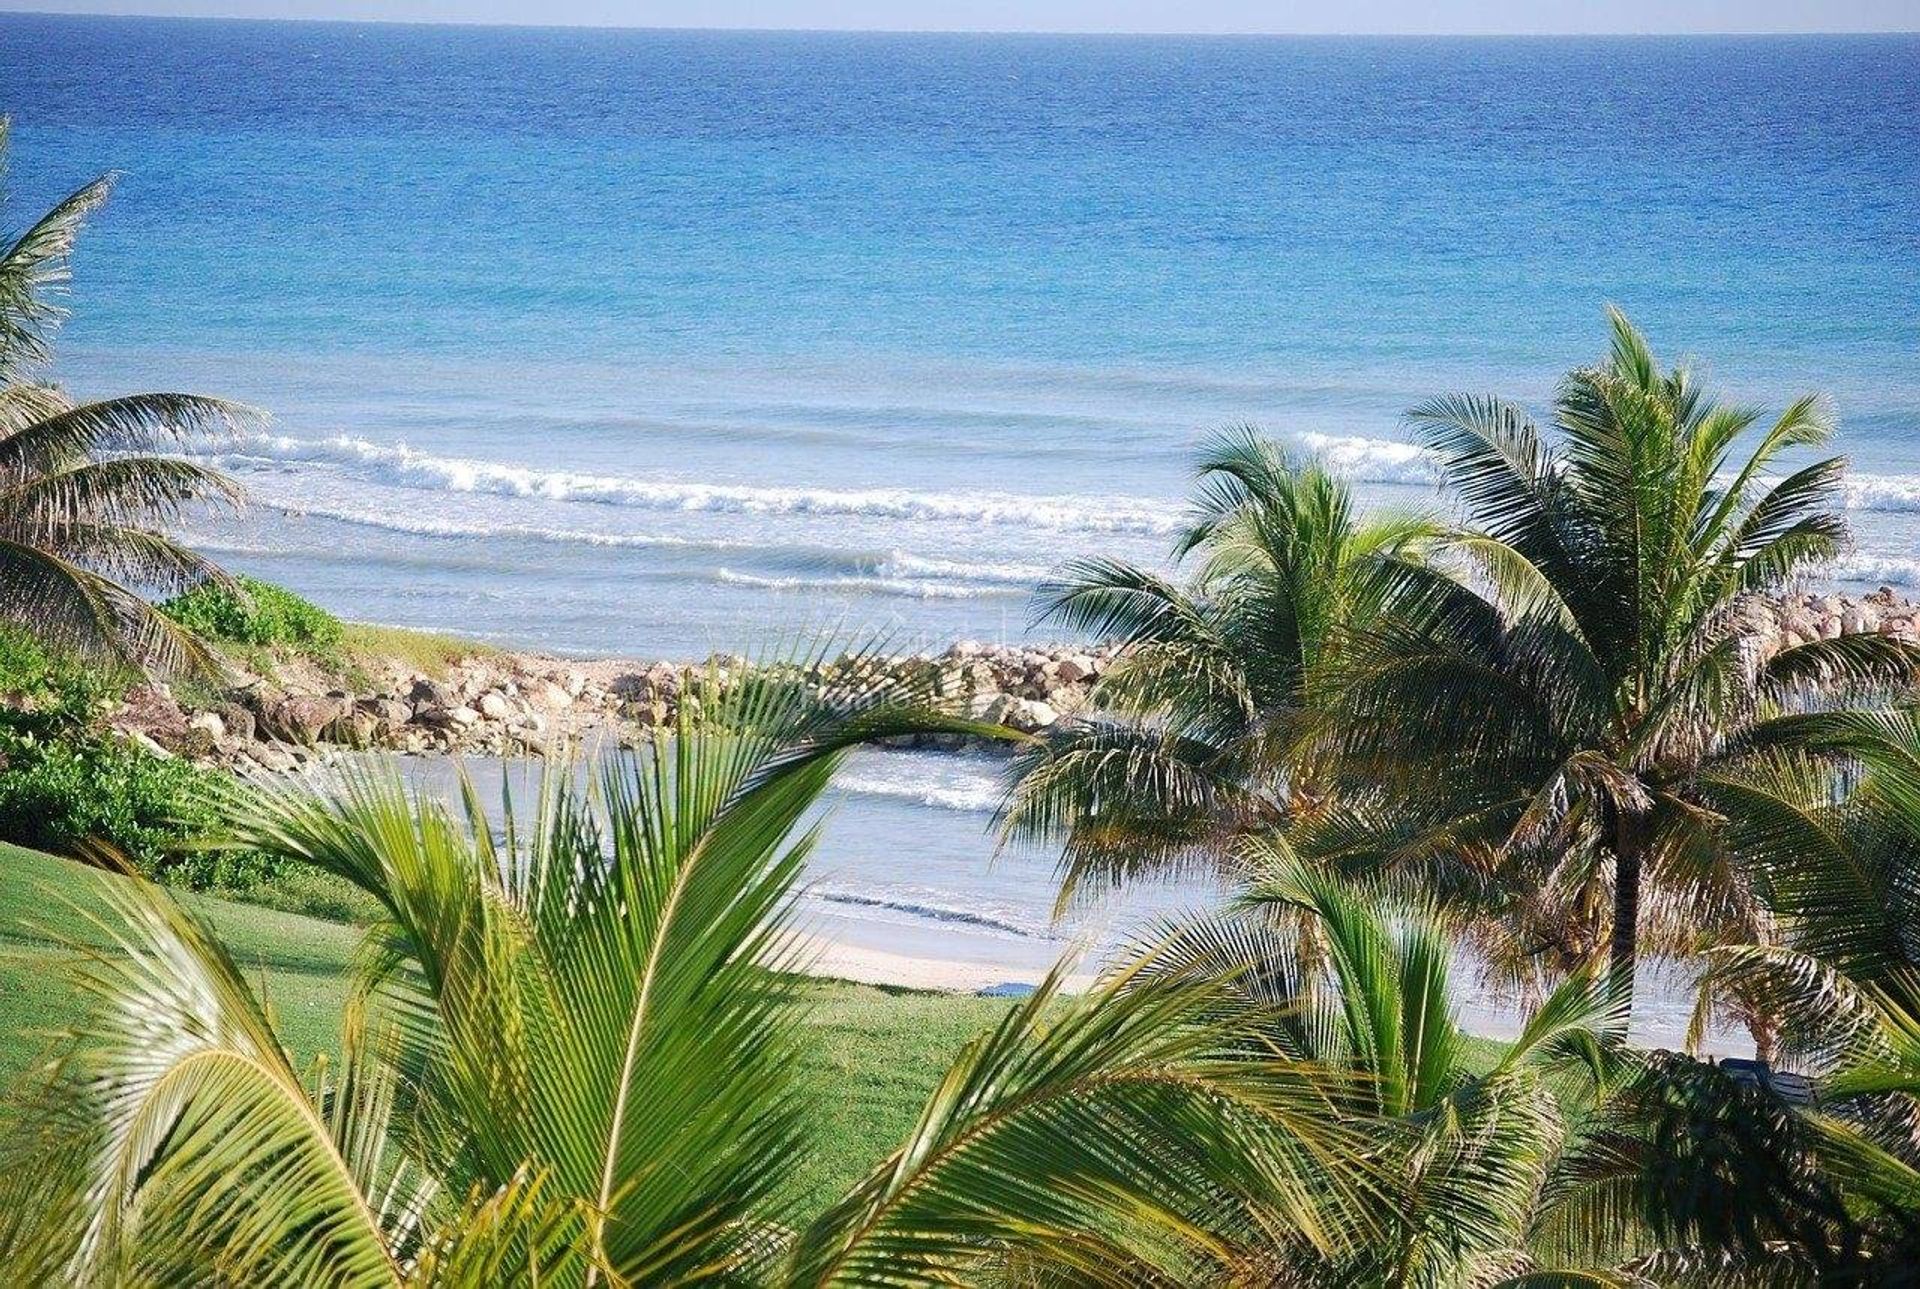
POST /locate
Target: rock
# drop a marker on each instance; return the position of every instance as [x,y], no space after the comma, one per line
[140,740]
[555,697]
[302,718]
[573,684]
[1068,699]
[463,716]
[151,711]
[271,756]
[1034,715]
[431,693]
[389,710]
[210,722]
[239,721]
[495,706]
[1074,669]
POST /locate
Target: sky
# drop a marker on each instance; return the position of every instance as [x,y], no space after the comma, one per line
[1412,17]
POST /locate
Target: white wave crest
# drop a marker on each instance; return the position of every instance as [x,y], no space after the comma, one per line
[400,464]
[921,910]
[513,532]
[1896,492]
[967,797]
[1370,460]
[1892,569]
[906,588]
[902,564]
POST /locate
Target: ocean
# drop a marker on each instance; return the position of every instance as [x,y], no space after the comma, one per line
[663,343]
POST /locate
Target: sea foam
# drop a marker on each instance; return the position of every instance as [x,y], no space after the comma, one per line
[399,464]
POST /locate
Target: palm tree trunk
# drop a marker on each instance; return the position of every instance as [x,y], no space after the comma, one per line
[1629,843]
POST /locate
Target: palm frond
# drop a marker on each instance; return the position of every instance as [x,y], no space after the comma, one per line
[1074,1132]
[34,269]
[92,615]
[208,1150]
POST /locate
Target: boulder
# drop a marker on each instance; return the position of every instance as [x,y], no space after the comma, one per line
[431,693]
[495,706]
[148,745]
[1034,715]
[391,710]
[151,710]
[555,698]
[302,718]
[210,722]
[239,721]
[1075,668]
[271,756]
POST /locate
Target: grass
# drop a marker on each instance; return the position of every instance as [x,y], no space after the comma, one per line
[431,653]
[873,1057]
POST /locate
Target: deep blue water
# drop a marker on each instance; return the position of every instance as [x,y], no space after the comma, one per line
[656,341]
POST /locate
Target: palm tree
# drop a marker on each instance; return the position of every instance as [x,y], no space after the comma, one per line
[1216,681]
[1541,736]
[1825,808]
[1363,989]
[83,502]
[569,1061]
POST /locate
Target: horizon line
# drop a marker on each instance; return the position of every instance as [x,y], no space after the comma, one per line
[743,30]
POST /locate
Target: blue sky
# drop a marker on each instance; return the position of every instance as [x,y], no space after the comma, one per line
[1303,16]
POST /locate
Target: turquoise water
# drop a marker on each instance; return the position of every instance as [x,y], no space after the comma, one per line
[662,342]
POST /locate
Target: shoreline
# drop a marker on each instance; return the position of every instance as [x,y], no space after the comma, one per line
[515,705]
[527,703]
[825,957]
[484,701]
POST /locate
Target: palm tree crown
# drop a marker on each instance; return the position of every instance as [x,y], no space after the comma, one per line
[1216,682]
[82,500]
[1543,731]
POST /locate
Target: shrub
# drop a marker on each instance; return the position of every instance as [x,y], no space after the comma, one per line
[42,690]
[62,795]
[252,612]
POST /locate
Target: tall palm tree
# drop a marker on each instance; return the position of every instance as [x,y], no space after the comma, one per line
[569,1060]
[1543,734]
[83,500]
[1216,681]
[1823,1190]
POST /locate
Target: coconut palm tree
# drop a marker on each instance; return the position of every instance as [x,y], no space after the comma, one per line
[1825,1188]
[1190,745]
[83,500]
[1363,987]
[569,1062]
[1542,736]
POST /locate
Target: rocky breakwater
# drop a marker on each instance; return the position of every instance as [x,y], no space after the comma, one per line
[518,704]
[1783,621]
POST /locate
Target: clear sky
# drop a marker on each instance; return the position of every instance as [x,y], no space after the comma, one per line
[1299,16]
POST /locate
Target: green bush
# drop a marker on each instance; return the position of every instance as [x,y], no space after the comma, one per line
[63,795]
[42,690]
[255,613]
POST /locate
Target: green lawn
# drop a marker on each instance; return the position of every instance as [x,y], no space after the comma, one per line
[875,1054]
[873,1057]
